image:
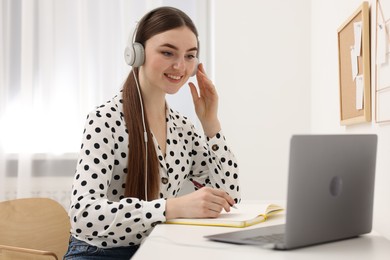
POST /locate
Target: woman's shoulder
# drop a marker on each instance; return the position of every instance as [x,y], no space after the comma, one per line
[111,109]
[114,104]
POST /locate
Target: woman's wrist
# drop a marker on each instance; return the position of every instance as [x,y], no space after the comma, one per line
[171,209]
[211,129]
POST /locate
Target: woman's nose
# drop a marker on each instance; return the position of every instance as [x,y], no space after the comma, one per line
[179,64]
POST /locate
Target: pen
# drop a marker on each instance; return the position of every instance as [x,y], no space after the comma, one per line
[199,186]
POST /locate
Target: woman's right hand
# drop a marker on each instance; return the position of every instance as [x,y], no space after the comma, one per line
[204,203]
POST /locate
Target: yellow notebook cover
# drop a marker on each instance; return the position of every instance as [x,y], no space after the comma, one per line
[244,216]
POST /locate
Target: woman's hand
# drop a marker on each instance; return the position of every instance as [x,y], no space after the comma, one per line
[206,103]
[203,203]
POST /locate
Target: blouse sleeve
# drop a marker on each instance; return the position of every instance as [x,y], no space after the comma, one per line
[215,165]
[98,208]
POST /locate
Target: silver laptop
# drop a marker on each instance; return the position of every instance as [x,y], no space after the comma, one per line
[330,193]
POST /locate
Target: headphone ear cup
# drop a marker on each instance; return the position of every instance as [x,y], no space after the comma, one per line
[135,54]
[129,55]
[139,52]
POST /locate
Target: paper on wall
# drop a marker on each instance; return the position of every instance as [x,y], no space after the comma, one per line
[357,30]
[359,92]
[354,63]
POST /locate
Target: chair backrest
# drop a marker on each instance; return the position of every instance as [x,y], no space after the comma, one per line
[34,223]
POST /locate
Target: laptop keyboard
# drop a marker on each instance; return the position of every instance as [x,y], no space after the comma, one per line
[271,239]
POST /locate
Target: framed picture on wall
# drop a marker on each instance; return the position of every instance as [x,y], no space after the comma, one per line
[354,67]
[382,61]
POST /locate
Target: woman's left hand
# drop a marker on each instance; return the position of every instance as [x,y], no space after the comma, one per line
[206,103]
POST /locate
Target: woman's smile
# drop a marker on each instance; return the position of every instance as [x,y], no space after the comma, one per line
[173,78]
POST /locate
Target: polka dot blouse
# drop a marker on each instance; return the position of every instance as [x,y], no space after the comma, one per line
[99,212]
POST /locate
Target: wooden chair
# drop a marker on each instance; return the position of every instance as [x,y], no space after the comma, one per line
[33,228]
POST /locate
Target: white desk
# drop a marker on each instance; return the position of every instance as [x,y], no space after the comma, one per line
[187,242]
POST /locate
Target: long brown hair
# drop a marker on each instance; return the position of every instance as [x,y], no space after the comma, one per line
[156,21]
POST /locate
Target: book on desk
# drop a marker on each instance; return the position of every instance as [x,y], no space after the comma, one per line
[244,216]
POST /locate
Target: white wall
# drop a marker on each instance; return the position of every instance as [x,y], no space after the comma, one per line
[325,104]
[262,74]
[276,70]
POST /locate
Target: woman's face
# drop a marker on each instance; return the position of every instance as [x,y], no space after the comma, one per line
[170,59]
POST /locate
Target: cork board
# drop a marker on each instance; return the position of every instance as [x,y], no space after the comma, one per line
[354,68]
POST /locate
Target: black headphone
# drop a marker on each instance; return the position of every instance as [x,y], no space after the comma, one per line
[135,53]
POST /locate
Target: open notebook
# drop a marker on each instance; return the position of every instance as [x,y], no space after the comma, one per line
[244,216]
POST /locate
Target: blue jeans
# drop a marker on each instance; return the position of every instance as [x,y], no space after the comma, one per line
[80,250]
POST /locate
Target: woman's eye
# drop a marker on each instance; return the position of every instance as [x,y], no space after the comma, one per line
[166,53]
[191,56]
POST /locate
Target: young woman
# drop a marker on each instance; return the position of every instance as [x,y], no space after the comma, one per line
[127,181]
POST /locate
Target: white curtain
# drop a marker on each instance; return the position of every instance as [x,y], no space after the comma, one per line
[58,60]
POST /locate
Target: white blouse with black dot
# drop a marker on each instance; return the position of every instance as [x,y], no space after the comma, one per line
[99,212]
